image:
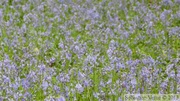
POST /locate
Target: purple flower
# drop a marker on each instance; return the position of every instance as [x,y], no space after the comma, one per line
[167,2]
[7,60]
[102,83]
[1,99]
[15,85]
[52,60]
[119,99]
[68,56]
[133,81]
[169,68]
[79,88]
[61,45]
[163,15]
[174,31]
[1,12]
[63,78]
[81,75]
[177,1]
[25,84]
[171,74]
[6,79]
[45,85]
[145,73]
[42,67]
[96,95]
[119,65]
[61,98]
[61,1]
[32,76]
[164,84]
[93,14]
[27,95]
[57,89]
[86,83]
[148,60]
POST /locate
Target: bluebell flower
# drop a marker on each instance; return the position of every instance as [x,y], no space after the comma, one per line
[61,98]
[133,81]
[57,89]
[177,1]
[119,99]
[45,85]
[168,2]
[6,79]
[15,85]
[81,76]
[25,83]
[79,88]
[42,68]
[96,95]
